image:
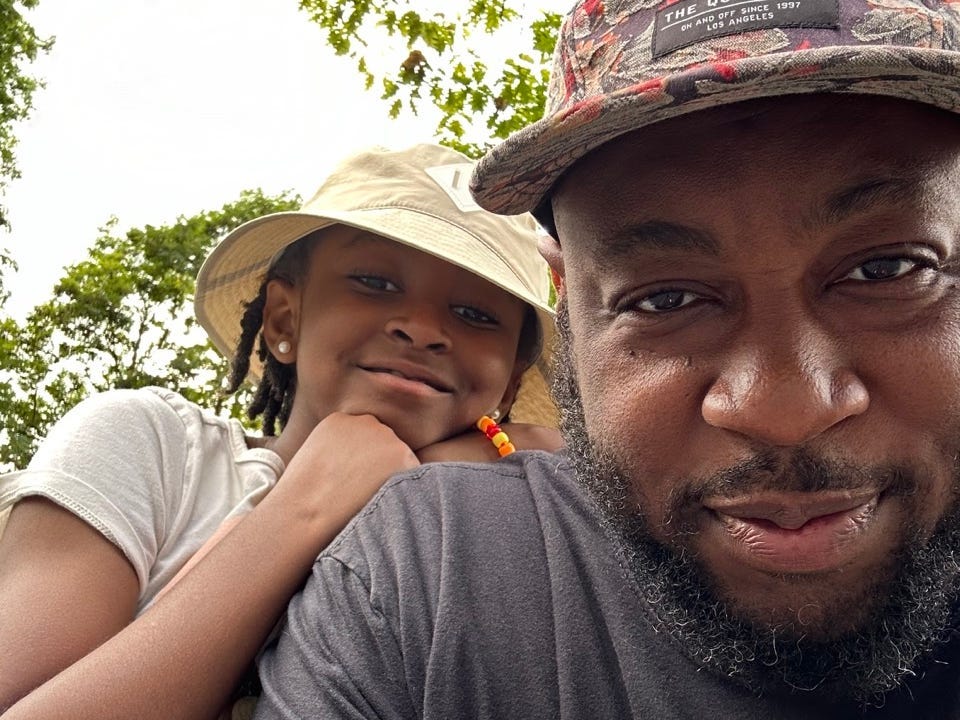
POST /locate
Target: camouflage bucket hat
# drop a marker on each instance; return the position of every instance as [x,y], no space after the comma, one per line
[623,64]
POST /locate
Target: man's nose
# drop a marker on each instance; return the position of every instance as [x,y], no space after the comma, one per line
[785,388]
[420,326]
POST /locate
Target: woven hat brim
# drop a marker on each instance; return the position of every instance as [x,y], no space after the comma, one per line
[232,274]
[516,175]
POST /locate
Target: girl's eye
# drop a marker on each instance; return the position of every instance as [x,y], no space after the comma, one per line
[375,282]
[475,316]
[882,269]
[665,301]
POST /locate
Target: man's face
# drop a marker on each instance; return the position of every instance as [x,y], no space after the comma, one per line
[764,305]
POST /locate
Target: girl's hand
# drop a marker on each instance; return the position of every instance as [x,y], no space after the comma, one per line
[473,446]
[339,467]
[343,462]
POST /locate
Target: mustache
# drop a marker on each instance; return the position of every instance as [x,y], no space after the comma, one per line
[801,471]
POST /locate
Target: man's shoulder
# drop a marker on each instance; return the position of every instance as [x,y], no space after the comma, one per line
[521,472]
[463,509]
[453,491]
[508,544]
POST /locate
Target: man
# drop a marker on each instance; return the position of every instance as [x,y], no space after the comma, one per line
[754,211]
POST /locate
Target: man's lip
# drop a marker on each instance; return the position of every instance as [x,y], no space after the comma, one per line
[409,371]
[797,532]
[790,510]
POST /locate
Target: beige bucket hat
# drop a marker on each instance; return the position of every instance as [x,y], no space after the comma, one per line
[418,197]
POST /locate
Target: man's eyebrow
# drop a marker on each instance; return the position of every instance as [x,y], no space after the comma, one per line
[657,235]
[868,195]
[662,235]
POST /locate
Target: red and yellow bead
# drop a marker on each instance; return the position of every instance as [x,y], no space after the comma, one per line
[497,436]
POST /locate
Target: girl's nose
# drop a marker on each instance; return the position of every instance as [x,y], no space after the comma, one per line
[421,329]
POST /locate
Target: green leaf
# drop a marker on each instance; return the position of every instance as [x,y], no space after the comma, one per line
[444,66]
[19,46]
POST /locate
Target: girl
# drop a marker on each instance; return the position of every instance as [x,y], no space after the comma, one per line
[393,314]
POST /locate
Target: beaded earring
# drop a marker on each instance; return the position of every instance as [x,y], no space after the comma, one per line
[488,426]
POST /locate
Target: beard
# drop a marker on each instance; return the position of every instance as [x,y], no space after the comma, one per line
[898,618]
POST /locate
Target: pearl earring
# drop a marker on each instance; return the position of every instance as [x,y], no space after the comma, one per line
[495,415]
[283,347]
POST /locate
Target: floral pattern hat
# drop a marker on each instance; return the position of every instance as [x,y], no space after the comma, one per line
[623,64]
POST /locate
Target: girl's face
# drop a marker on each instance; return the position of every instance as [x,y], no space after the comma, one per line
[380,328]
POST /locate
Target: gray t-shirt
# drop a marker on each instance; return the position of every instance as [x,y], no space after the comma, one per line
[490,591]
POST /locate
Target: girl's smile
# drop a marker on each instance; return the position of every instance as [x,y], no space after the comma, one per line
[407,377]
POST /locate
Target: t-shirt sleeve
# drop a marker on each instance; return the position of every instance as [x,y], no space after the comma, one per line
[113,460]
[336,656]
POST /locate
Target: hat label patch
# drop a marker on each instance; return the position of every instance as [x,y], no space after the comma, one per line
[689,21]
[454,180]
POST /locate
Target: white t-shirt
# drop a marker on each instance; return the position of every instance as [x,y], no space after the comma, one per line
[151,471]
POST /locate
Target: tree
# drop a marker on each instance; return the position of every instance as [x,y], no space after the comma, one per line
[439,60]
[122,318]
[19,46]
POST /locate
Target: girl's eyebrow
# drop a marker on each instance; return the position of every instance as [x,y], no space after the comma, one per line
[360,237]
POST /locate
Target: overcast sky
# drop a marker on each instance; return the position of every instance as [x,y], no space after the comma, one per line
[155,109]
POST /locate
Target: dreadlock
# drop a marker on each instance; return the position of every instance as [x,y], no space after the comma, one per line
[273,397]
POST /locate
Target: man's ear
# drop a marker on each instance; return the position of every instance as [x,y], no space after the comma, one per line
[549,247]
[281,320]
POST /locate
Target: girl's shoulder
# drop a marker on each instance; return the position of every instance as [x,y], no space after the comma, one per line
[139,428]
[128,411]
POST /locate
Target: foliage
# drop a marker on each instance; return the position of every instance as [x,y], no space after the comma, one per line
[19,46]
[6,263]
[122,318]
[439,60]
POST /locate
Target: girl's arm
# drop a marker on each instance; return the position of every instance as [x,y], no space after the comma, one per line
[183,657]
[64,589]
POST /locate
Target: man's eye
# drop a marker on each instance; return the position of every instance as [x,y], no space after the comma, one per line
[375,282]
[475,316]
[665,301]
[882,269]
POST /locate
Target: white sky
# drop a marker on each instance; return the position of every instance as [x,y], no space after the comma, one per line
[158,109]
